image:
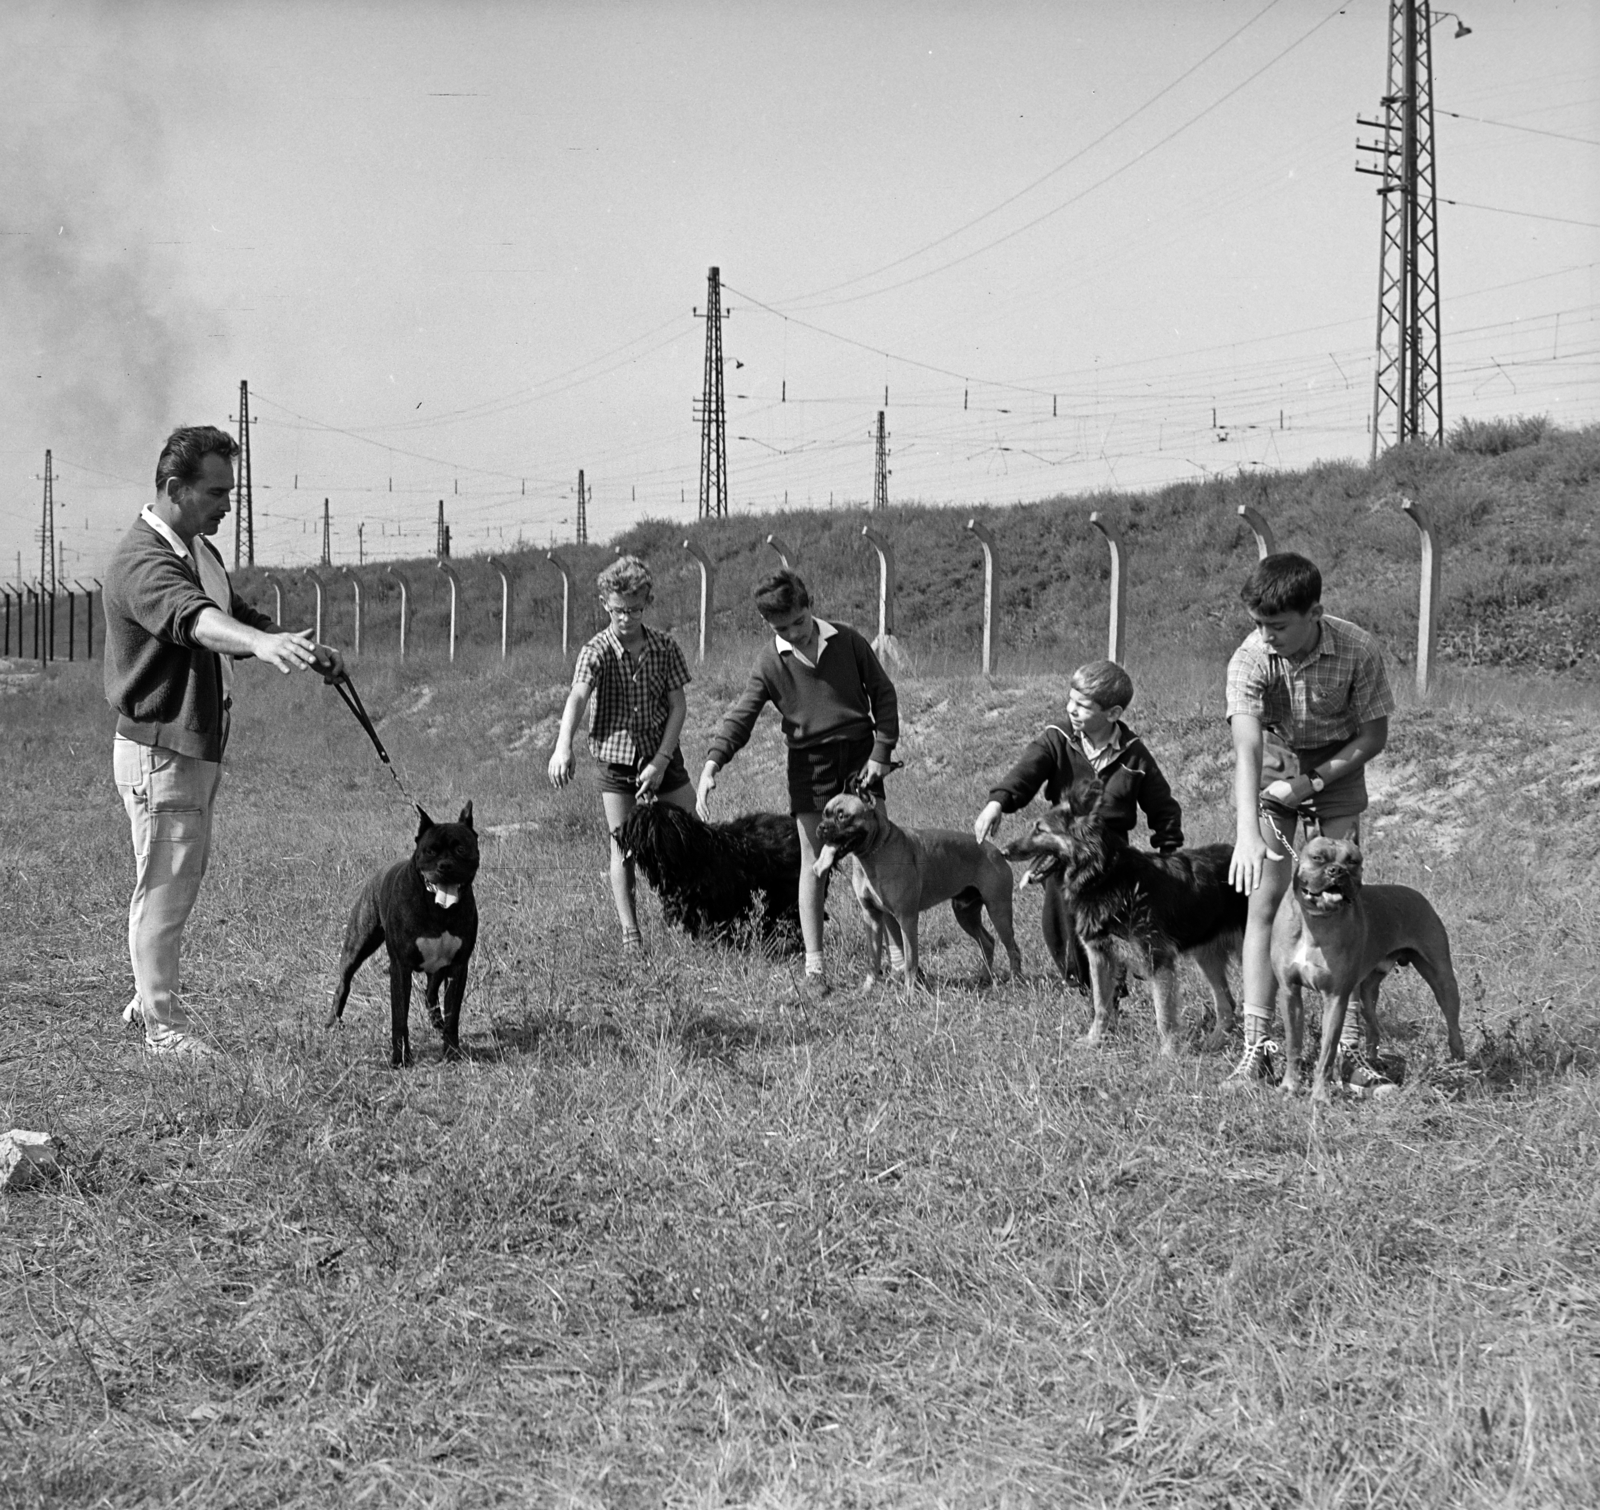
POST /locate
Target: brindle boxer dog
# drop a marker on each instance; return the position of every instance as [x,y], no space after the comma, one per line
[1341,938]
[423,909]
[901,873]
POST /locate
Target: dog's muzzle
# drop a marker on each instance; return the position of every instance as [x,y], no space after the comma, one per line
[1335,892]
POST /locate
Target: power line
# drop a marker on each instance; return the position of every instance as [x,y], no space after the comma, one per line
[1560,136]
[1043,177]
[1083,193]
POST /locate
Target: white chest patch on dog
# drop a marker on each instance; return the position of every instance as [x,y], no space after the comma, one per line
[437,953]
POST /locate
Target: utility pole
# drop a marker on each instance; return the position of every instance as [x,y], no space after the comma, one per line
[581,534]
[1408,389]
[880,472]
[327,536]
[441,544]
[244,514]
[713,410]
[361,543]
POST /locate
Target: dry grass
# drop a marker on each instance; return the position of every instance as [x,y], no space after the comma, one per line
[671,1238]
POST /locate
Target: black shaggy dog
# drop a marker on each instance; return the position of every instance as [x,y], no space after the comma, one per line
[713,877]
[1145,908]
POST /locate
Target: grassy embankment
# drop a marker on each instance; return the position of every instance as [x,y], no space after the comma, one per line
[1517,527]
[670,1238]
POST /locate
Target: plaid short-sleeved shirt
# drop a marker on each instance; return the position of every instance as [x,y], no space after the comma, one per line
[628,702]
[1322,696]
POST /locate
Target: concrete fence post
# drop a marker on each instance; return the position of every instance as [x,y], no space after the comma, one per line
[1427,593]
[316,582]
[1119,603]
[505,604]
[887,646]
[455,599]
[557,560]
[355,583]
[72,622]
[1265,545]
[985,538]
[88,592]
[787,556]
[5,599]
[708,580]
[271,579]
[405,605]
[38,624]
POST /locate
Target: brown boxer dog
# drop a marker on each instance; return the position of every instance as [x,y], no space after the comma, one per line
[901,873]
[1341,938]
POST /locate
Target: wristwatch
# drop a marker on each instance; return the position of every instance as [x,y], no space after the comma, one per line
[1317,783]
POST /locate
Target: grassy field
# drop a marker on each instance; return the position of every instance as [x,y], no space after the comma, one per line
[671,1237]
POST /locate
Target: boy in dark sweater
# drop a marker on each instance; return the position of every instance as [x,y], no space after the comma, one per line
[1095,743]
[840,717]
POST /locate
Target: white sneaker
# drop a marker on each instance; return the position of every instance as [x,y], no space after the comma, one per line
[173,1043]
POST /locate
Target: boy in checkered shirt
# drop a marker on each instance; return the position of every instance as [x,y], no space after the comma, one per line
[1309,703]
[636,676]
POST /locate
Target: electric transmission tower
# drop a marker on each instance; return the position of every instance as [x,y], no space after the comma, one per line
[441,544]
[880,471]
[244,516]
[581,533]
[713,415]
[47,530]
[327,536]
[47,557]
[1408,388]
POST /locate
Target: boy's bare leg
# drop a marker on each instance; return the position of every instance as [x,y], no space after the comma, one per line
[813,892]
[617,806]
[1260,983]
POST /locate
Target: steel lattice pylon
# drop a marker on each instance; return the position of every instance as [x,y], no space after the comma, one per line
[713,410]
[244,514]
[1408,388]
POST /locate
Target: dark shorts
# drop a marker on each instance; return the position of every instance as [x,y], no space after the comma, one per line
[1346,798]
[819,772]
[616,777]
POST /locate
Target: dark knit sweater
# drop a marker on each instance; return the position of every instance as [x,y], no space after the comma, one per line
[166,687]
[1054,761]
[847,695]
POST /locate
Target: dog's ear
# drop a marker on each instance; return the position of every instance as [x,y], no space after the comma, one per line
[424,821]
[466,815]
[1084,796]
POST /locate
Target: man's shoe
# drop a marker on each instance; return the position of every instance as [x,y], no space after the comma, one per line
[133,1013]
[173,1044]
[1260,1065]
[1360,1076]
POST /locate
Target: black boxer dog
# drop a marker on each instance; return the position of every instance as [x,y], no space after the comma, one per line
[423,909]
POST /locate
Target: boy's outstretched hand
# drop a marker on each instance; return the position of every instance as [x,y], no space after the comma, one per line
[985,824]
[702,796]
[1249,862]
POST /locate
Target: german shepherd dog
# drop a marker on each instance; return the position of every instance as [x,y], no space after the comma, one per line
[1142,907]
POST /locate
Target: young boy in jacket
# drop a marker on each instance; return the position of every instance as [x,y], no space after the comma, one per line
[1095,743]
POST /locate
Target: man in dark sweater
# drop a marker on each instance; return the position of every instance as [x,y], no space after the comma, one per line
[840,717]
[173,627]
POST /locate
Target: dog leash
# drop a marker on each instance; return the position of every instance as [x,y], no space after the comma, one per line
[346,689]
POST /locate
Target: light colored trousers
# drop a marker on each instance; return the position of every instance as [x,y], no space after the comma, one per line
[169,798]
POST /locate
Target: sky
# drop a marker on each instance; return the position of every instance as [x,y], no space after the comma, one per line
[460,251]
